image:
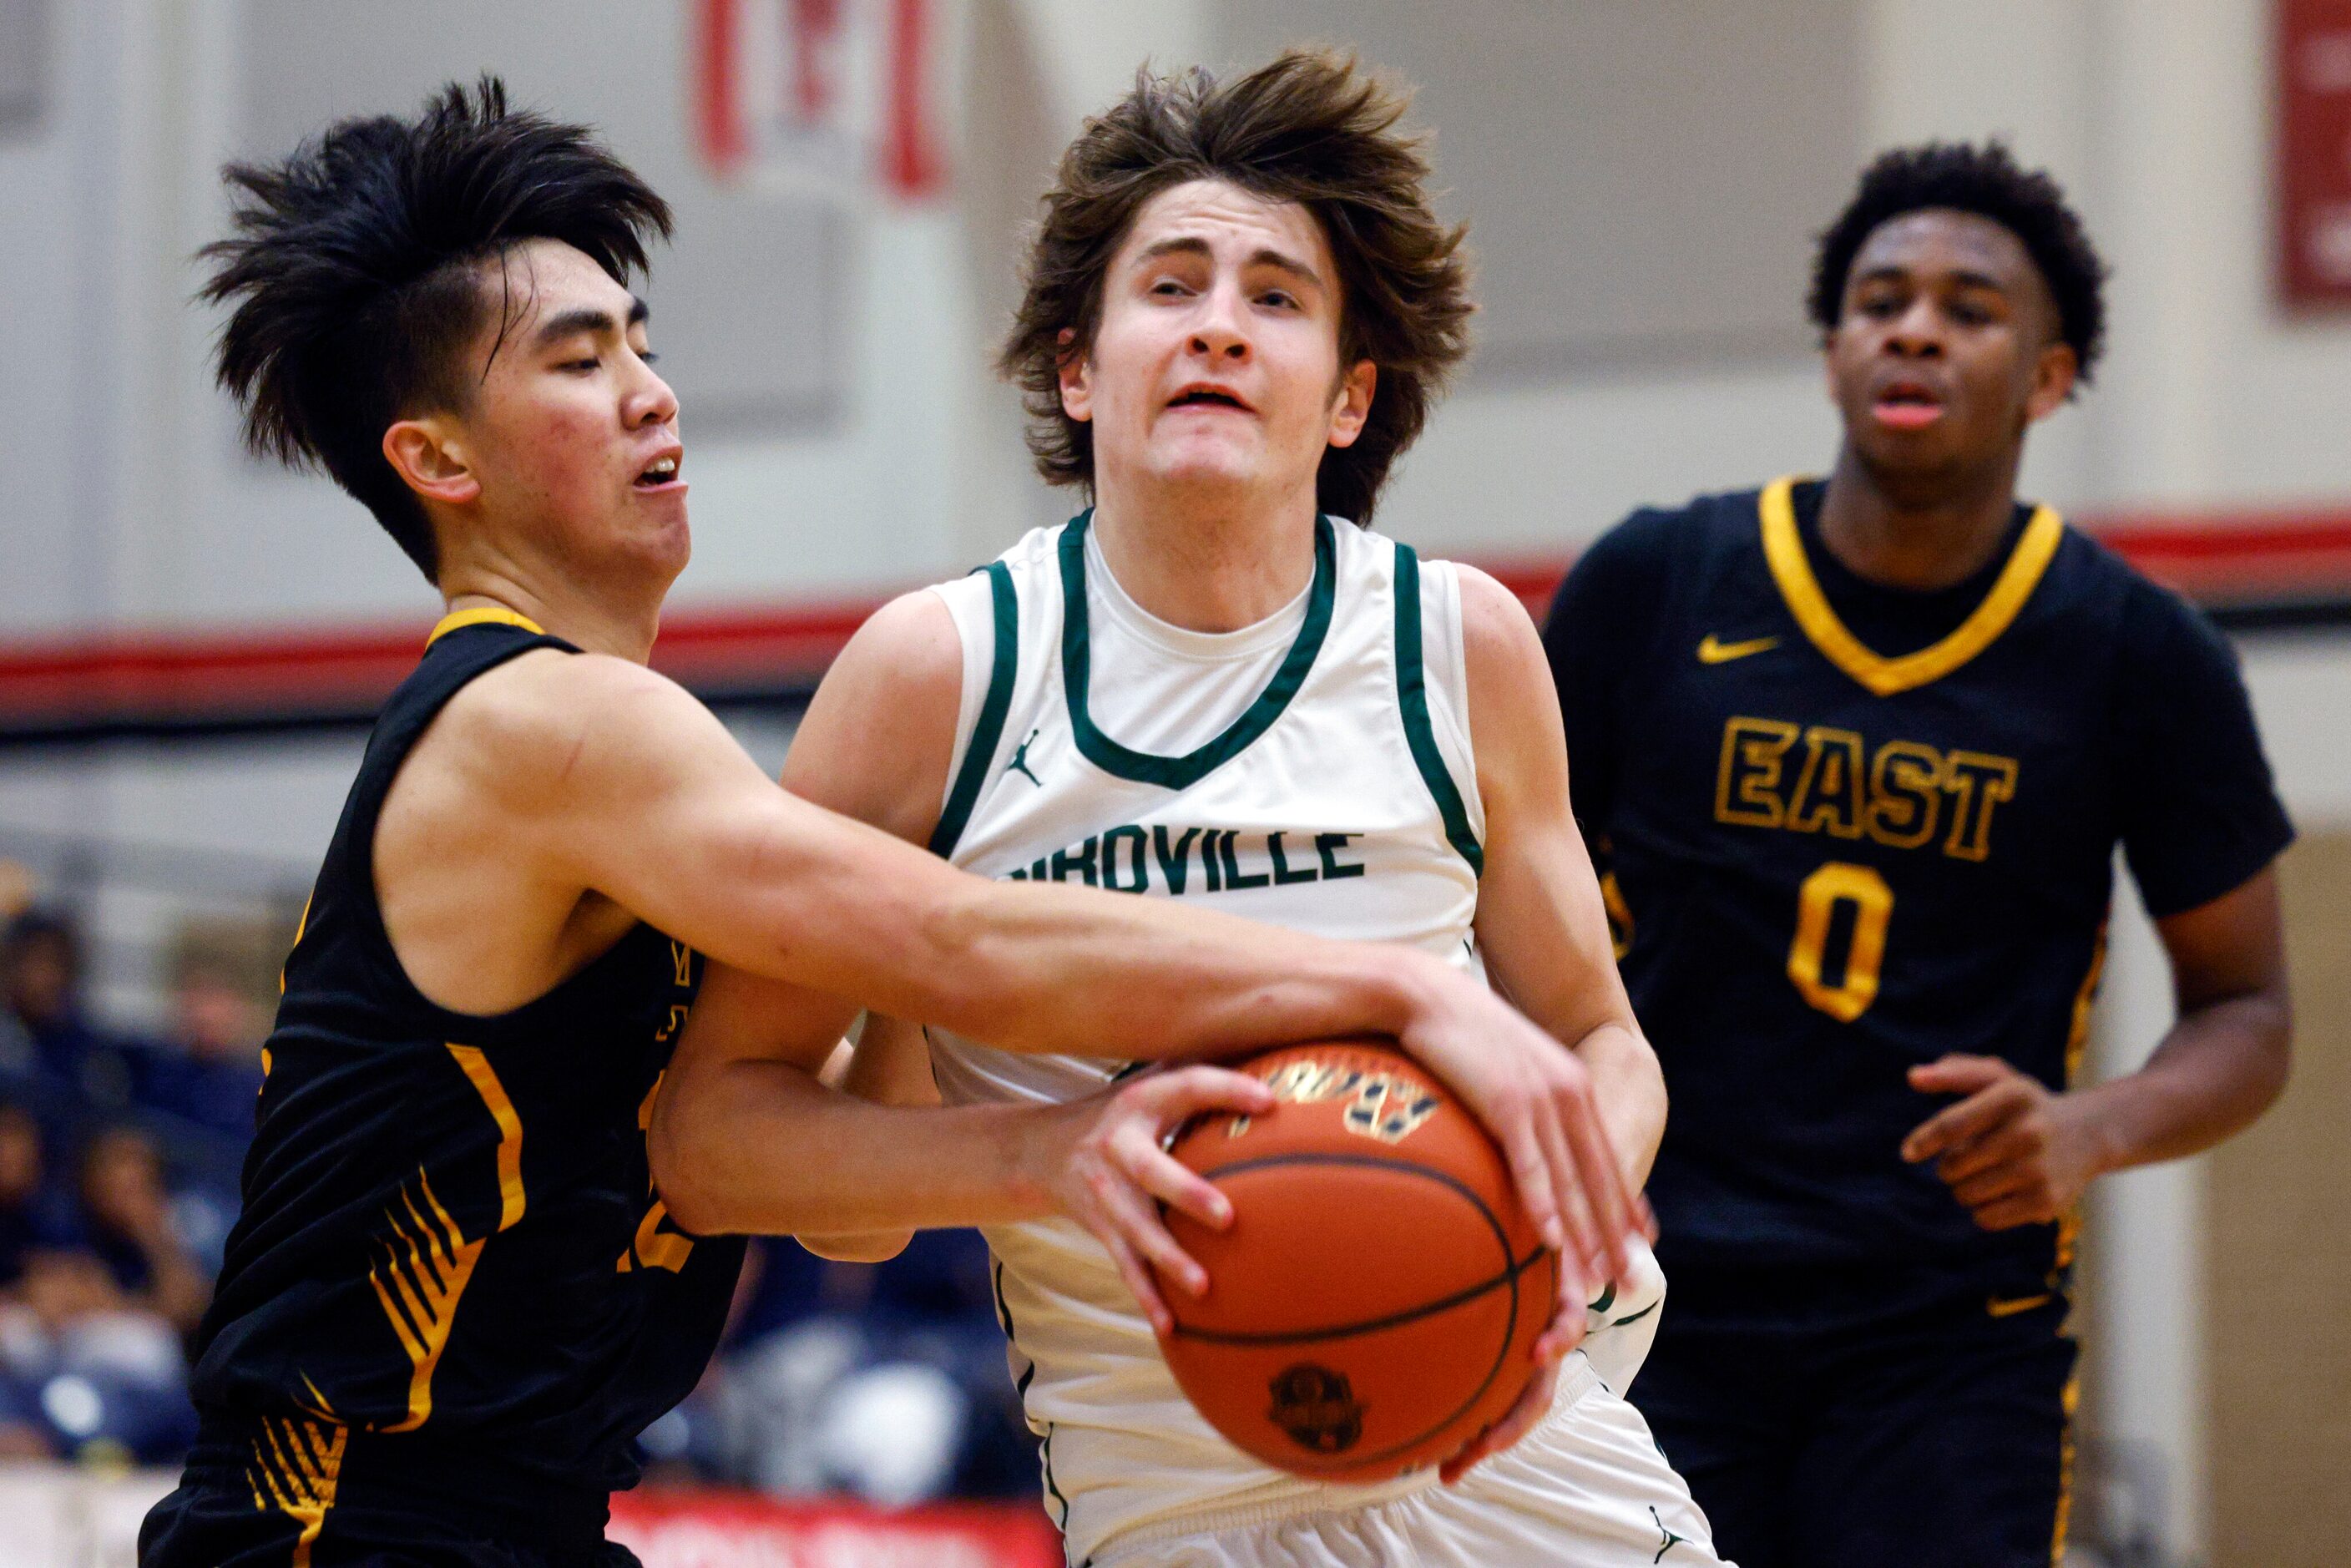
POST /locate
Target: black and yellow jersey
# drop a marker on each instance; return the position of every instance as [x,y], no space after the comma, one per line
[1845,829]
[451,1277]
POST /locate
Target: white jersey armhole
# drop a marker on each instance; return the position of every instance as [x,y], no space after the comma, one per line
[1446,668]
[971,602]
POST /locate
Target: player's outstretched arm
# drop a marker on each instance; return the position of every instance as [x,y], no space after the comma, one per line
[644,799]
[792,893]
[1545,936]
[1539,917]
[746,1139]
[2017,1153]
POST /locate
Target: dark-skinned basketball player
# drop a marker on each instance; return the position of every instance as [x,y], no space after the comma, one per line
[452,1298]
[1855,756]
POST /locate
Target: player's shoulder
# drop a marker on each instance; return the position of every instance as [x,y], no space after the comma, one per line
[1713,514]
[538,700]
[1494,619]
[877,738]
[1619,586]
[1651,542]
[543,714]
[909,643]
[2154,628]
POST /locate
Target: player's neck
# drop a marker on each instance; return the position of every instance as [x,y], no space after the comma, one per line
[1926,534]
[1205,566]
[587,615]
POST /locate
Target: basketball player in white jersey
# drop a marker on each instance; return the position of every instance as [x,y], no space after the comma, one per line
[1214,686]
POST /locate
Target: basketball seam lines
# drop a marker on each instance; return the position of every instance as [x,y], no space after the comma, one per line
[1373,1325]
[1511,1268]
[1508,1277]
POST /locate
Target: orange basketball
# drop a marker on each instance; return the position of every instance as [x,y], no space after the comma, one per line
[1377,1299]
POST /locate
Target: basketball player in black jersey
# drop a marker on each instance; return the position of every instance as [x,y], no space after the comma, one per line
[453,1298]
[1855,756]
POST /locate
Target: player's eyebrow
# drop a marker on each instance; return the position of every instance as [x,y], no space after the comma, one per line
[1280,261]
[592,319]
[1960,276]
[1264,256]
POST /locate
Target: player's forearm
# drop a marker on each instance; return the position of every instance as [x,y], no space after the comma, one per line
[1631,1090]
[760,1147]
[2218,1068]
[1052,969]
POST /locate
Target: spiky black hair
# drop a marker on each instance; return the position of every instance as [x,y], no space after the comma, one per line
[356,272]
[1986,181]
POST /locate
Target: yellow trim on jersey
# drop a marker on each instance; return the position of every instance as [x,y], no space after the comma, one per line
[301,928]
[485,1084]
[1784,551]
[484,615]
[428,1259]
[426,1267]
[2072,1401]
[2078,1040]
[296,1466]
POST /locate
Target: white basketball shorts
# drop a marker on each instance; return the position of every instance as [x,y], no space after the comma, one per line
[1587,1489]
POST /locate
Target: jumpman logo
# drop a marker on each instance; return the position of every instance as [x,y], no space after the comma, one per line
[1020,763]
[1667,1540]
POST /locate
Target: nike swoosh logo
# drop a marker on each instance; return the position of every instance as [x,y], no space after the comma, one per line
[1714,650]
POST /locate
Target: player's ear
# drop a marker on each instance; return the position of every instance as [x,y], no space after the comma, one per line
[429,454]
[1077,379]
[1354,406]
[2053,380]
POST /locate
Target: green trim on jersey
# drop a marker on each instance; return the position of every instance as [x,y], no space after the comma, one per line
[1412,701]
[989,730]
[1181,772]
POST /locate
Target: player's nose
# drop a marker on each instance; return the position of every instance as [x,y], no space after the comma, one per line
[1221,331]
[1917,332]
[649,400]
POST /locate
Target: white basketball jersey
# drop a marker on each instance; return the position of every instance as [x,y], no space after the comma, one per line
[1313,771]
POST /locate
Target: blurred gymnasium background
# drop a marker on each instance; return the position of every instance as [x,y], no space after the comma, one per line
[191,643]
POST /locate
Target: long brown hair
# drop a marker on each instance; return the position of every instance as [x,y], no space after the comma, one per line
[1308,128]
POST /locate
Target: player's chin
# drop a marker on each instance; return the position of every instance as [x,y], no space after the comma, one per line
[659,540]
[1911,454]
[1209,459]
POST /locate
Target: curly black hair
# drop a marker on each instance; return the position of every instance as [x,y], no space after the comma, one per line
[1986,181]
[356,272]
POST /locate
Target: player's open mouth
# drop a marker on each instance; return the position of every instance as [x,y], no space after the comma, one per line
[1906,405]
[661,471]
[1208,397]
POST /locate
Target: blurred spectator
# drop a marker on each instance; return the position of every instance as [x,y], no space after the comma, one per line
[80,1361]
[109,1228]
[91,1359]
[74,1072]
[23,1192]
[18,887]
[126,1225]
[887,1380]
[198,1088]
[208,1074]
[26,1222]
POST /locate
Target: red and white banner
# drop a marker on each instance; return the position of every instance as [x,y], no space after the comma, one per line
[2313,151]
[844,91]
[702,1529]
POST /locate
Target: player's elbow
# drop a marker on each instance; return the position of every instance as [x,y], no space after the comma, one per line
[691,1189]
[2273,1057]
[864,1247]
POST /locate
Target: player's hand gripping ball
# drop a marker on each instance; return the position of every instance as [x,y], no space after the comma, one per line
[1376,1302]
